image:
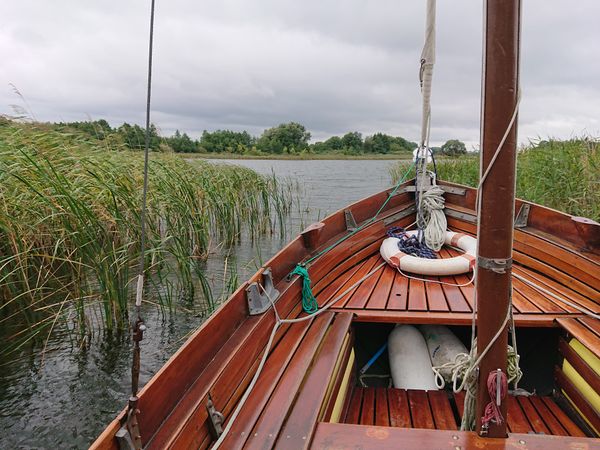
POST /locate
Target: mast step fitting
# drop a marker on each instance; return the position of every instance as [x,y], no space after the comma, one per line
[522,216]
[215,420]
[350,222]
[259,297]
[497,265]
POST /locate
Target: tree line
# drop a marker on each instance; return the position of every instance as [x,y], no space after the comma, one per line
[287,138]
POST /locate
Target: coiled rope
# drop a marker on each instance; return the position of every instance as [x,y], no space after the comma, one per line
[309,302]
[410,244]
[433,217]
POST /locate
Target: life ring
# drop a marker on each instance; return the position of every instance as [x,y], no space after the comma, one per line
[449,266]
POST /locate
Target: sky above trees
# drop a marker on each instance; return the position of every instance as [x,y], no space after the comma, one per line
[332,66]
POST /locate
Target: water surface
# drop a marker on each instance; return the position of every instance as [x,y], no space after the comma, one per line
[66,399]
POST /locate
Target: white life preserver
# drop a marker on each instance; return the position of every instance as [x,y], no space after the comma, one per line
[449,266]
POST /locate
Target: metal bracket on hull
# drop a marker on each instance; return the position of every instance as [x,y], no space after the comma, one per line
[460,215]
[215,420]
[522,216]
[260,298]
[350,222]
[128,435]
[497,265]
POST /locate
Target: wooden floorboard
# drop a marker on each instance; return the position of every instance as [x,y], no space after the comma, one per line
[335,436]
[389,290]
[433,410]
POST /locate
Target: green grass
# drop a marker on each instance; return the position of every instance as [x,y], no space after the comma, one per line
[69,228]
[564,175]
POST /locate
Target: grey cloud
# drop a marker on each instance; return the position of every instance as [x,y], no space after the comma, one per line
[333,66]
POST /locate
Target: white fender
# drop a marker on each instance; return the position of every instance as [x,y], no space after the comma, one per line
[409,359]
[443,346]
[448,266]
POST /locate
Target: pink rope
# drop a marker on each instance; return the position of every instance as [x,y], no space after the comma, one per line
[492,409]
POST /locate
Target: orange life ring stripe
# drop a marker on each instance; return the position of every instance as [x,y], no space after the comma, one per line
[456,238]
[469,258]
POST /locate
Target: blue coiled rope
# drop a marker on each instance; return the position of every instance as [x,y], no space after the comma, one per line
[410,244]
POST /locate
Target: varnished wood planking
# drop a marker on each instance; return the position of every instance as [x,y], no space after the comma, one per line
[398,299]
[330,436]
[367,412]
[354,407]
[563,419]
[302,419]
[399,409]
[272,372]
[283,396]
[580,365]
[548,417]
[442,411]
[417,297]
[583,334]
[420,410]
[532,415]
[365,269]
[577,398]
[381,292]
[361,295]
[382,413]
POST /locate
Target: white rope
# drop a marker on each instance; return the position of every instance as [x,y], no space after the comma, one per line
[434,219]
[278,322]
[437,281]
[560,299]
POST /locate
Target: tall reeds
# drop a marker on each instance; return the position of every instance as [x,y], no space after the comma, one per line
[69,228]
[564,175]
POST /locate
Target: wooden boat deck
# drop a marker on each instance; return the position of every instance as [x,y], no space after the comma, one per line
[389,295]
[293,402]
[436,410]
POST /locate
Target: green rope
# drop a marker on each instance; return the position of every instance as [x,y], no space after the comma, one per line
[367,222]
[309,302]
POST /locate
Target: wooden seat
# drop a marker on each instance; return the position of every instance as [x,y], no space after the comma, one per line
[435,410]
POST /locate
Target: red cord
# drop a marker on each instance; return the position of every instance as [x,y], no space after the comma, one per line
[492,410]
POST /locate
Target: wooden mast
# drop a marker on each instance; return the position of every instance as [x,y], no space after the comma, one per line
[495,233]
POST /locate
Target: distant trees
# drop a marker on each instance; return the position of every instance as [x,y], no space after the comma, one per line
[453,147]
[285,138]
[181,143]
[226,141]
[134,136]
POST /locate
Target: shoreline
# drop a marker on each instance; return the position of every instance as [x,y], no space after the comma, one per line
[303,157]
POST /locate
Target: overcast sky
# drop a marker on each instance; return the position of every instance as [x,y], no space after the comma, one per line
[333,66]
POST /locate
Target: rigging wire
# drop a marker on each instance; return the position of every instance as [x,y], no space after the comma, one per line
[139,327]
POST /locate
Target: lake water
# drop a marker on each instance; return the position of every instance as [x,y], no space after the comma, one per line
[65,399]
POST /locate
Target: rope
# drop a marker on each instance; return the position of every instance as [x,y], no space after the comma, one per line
[309,302]
[278,322]
[432,204]
[579,308]
[410,244]
[445,283]
[308,299]
[497,387]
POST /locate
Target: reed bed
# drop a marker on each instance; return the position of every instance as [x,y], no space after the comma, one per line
[564,175]
[69,228]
